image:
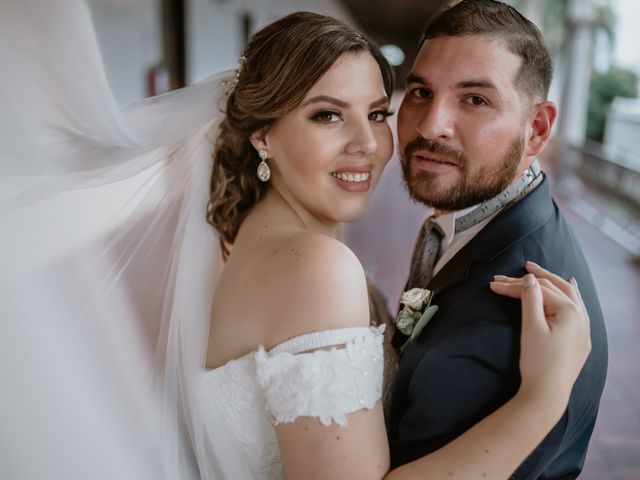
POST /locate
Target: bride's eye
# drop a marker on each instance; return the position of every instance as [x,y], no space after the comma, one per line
[476,100]
[327,116]
[380,115]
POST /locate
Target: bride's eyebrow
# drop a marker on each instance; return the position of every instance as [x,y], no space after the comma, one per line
[328,99]
[340,103]
[380,101]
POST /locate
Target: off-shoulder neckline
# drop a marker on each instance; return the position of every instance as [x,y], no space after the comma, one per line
[308,341]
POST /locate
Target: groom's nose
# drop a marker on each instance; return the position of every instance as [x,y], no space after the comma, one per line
[436,120]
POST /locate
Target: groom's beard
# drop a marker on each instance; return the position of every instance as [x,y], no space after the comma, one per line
[470,189]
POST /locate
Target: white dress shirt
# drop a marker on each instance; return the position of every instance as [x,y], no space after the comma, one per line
[451,243]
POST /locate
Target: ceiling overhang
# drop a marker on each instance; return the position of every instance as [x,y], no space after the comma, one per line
[397,22]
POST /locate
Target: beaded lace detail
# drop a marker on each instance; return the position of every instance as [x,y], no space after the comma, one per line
[326,374]
[327,384]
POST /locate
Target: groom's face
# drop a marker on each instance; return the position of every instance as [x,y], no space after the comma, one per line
[462,123]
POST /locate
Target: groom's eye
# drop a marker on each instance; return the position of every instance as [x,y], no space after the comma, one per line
[421,93]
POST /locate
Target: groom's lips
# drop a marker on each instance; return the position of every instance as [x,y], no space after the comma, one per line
[432,162]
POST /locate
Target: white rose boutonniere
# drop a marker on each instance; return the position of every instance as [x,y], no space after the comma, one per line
[416,312]
[415,298]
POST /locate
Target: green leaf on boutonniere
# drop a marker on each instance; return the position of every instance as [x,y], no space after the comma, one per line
[426,316]
[420,324]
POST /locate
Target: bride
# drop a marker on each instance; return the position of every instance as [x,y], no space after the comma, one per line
[282,376]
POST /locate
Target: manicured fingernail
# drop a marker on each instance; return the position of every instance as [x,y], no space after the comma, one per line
[533,264]
[530,280]
[575,284]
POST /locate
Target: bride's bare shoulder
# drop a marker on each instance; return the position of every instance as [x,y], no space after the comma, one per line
[317,283]
[328,256]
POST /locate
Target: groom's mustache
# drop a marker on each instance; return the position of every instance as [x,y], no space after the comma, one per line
[421,144]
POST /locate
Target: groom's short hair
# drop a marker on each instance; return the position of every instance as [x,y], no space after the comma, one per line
[494,18]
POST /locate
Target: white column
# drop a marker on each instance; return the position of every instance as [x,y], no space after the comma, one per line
[533,10]
[572,122]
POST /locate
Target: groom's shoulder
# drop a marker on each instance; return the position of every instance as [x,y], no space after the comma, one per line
[547,240]
[534,223]
[504,248]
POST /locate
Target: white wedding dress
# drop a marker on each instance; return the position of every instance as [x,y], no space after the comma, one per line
[300,377]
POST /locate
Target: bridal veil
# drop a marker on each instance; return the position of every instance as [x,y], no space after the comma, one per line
[108,266]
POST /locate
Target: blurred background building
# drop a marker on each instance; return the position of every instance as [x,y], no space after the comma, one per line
[151,46]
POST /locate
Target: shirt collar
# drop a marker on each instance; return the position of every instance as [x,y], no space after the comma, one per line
[447,222]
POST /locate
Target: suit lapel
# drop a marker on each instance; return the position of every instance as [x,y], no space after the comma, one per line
[507,227]
[514,224]
[456,270]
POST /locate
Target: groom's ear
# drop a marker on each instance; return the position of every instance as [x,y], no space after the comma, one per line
[541,120]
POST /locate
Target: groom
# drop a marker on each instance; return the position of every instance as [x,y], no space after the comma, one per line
[473,120]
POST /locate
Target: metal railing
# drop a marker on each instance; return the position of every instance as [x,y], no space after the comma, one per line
[612,174]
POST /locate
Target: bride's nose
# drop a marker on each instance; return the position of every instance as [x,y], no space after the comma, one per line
[362,140]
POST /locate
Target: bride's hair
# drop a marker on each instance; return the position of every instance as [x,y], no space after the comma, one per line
[283,61]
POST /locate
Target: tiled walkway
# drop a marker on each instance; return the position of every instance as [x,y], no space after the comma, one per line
[614,453]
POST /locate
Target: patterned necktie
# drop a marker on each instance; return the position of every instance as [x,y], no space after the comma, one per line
[427,250]
[425,254]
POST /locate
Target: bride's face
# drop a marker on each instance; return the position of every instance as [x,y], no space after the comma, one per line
[327,155]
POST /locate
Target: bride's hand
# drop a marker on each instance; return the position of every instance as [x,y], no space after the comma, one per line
[555,339]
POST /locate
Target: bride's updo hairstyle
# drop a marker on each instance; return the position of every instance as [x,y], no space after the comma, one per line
[283,61]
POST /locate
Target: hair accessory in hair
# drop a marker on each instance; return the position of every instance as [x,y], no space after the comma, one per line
[241,62]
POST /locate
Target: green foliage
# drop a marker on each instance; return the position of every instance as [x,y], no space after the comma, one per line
[617,82]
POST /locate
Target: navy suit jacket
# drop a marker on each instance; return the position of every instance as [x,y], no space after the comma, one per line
[464,364]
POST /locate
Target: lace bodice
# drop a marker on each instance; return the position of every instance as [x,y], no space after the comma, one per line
[326,374]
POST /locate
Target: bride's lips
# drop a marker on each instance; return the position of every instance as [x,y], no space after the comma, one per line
[432,162]
[353,178]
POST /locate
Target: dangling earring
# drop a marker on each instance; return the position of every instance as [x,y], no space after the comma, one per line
[264,172]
